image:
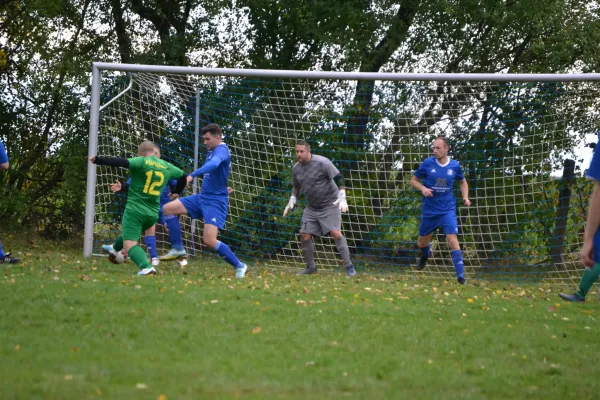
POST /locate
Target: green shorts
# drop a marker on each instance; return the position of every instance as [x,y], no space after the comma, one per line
[134,224]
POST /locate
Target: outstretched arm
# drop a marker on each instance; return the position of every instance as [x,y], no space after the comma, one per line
[210,166]
[112,161]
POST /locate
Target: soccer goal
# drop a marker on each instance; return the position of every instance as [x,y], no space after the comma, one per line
[522,140]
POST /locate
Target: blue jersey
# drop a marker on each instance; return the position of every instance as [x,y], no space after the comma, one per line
[3,156]
[440,179]
[218,164]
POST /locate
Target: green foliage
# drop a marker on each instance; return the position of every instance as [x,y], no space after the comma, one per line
[47,47]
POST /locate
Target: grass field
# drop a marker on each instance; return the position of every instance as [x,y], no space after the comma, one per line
[72,328]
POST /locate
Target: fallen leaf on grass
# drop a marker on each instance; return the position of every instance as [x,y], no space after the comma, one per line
[214,301]
[162,396]
[68,377]
[551,309]
[141,386]
[471,300]
[256,329]
[301,303]
[18,347]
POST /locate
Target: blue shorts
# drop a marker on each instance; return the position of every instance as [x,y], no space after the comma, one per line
[447,222]
[214,212]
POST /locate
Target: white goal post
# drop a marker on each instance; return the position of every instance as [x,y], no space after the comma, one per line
[520,138]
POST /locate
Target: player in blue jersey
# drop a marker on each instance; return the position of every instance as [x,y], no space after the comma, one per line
[213,201]
[5,257]
[438,174]
[590,253]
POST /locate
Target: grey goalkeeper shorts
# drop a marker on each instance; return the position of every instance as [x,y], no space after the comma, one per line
[321,222]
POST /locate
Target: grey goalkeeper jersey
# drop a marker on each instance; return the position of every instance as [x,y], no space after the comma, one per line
[315,179]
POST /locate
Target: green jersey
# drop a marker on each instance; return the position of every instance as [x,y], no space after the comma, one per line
[149,176]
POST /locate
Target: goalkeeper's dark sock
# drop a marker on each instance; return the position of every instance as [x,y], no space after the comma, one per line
[174,232]
[459,266]
[225,252]
[118,245]
[590,275]
[151,246]
[138,256]
[2,254]
[425,250]
[341,245]
[308,251]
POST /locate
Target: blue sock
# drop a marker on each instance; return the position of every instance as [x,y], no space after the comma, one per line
[151,246]
[457,260]
[1,251]
[224,251]
[425,250]
[174,232]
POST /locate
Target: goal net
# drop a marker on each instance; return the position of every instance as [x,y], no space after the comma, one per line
[523,142]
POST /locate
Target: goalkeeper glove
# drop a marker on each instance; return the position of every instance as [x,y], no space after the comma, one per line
[341,201]
[290,205]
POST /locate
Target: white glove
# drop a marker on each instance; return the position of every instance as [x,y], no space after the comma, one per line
[290,205]
[341,201]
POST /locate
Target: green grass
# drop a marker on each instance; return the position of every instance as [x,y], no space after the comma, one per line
[72,328]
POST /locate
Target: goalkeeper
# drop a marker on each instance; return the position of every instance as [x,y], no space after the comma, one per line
[323,186]
[149,175]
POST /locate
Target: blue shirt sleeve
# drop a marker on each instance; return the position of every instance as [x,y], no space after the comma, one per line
[593,171]
[3,156]
[219,155]
[421,173]
[459,173]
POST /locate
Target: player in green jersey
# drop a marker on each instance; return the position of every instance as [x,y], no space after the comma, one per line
[149,175]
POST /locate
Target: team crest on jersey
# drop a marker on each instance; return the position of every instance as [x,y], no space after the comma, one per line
[450,172]
[441,182]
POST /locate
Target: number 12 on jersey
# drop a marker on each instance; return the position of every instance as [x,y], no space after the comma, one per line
[150,185]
